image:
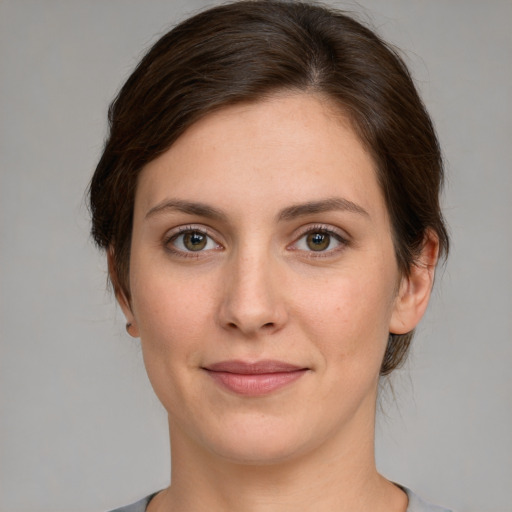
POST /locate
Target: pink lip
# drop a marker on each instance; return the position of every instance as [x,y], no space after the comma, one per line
[253,379]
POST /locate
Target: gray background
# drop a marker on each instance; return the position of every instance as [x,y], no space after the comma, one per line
[80,429]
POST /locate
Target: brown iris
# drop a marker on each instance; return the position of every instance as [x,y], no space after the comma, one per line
[318,241]
[194,241]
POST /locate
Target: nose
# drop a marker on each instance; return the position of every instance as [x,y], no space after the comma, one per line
[253,301]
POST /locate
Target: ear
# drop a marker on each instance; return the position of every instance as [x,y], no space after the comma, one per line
[123,301]
[414,293]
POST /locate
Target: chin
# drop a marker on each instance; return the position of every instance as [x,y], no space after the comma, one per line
[258,454]
[258,443]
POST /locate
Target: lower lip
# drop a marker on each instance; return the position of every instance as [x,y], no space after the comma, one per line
[255,384]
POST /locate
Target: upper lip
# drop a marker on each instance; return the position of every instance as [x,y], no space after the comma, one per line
[253,368]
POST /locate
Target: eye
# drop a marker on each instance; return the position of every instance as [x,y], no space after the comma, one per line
[191,240]
[319,240]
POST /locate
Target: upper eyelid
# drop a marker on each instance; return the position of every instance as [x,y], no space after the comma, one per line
[327,228]
[179,230]
[168,242]
[335,231]
[339,234]
[174,233]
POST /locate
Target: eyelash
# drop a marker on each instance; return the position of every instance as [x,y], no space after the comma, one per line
[324,230]
[308,230]
[183,230]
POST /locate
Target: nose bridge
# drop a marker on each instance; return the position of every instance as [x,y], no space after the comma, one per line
[251,301]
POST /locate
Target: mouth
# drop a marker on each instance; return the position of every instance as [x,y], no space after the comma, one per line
[256,378]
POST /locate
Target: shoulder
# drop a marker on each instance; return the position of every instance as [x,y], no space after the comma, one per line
[138,506]
[416,504]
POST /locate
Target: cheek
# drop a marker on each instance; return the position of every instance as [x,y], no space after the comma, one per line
[348,315]
[173,314]
[173,321]
[170,313]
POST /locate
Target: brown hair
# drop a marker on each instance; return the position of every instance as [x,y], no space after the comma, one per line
[246,51]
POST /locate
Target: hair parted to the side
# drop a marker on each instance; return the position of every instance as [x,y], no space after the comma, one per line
[246,51]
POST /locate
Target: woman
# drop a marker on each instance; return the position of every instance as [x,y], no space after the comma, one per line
[268,199]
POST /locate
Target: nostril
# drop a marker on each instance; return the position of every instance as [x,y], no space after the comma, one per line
[267,326]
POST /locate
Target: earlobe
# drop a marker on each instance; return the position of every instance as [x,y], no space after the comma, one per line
[414,293]
[124,303]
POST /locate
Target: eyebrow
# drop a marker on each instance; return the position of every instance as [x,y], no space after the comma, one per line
[289,213]
[325,205]
[190,207]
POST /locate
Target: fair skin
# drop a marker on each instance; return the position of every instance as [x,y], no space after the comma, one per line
[262,235]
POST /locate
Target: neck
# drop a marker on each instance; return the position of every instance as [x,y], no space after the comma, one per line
[338,475]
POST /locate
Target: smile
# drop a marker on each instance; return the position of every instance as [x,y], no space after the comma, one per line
[254,379]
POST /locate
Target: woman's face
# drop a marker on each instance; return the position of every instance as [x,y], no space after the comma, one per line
[264,281]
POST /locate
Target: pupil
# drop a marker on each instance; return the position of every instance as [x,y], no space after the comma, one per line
[318,241]
[195,241]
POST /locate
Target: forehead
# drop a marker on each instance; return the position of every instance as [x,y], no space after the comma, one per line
[289,148]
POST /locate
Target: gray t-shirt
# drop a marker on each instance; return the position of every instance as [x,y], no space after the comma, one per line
[416,504]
